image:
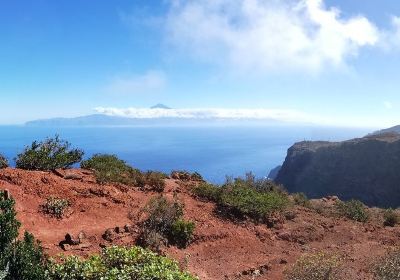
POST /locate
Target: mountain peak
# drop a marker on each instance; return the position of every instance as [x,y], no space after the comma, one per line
[160,106]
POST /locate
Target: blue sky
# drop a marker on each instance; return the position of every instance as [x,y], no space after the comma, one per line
[332,62]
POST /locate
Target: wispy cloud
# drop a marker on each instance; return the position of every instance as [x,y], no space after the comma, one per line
[268,35]
[151,81]
[210,113]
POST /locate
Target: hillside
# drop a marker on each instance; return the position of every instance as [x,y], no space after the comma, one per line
[221,249]
[364,169]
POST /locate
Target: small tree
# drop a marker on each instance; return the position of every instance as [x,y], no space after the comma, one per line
[164,223]
[111,169]
[19,259]
[49,154]
[3,162]
[9,225]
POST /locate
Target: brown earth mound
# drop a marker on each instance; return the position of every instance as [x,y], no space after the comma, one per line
[102,215]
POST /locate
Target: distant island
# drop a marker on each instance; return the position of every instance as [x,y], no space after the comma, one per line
[157,115]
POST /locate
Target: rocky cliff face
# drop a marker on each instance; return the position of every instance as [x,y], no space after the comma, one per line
[367,169]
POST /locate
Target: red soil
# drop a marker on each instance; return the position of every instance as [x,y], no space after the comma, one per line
[222,249]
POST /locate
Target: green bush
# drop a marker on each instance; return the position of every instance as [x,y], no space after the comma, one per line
[49,154]
[118,263]
[26,260]
[388,267]
[207,191]
[21,259]
[3,162]
[256,199]
[162,217]
[55,207]
[319,266]
[260,185]
[301,200]
[9,225]
[391,218]
[155,180]
[245,201]
[110,169]
[354,210]
[182,232]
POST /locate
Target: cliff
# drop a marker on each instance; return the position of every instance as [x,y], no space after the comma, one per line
[366,169]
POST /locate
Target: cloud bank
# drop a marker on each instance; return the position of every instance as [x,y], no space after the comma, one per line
[272,35]
[209,113]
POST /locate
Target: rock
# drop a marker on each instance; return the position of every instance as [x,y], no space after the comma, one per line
[111,234]
[71,176]
[71,240]
[66,247]
[287,236]
[82,237]
[365,169]
[130,228]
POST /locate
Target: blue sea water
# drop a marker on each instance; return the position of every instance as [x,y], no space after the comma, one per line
[214,151]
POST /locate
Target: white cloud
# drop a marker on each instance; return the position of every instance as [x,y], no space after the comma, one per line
[134,84]
[207,113]
[390,39]
[268,35]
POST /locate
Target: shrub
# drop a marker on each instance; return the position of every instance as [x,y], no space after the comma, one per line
[301,200]
[353,209]
[320,266]
[9,225]
[22,259]
[256,199]
[162,216]
[245,201]
[27,260]
[186,176]
[110,169]
[391,218]
[55,207]
[182,232]
[260,185]
[3,162]
[49,154]
[207,191]
[388,267]
[118,263]
[155,180]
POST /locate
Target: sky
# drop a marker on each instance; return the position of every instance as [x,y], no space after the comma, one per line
[330,62]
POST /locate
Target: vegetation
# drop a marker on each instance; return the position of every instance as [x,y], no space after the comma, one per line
[19,259]
[164,224]
[155,180]
[388,267]
[182,232]
[301,200]
[354,210]
[257,199]
[3,163]
[242,201]
[49,154]
[24,259]
[207,191]
[319,266]
[111,169]
[186,176]
[55,207]
[119,263]
[391,218]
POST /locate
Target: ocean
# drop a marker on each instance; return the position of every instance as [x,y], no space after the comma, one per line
[215,152]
